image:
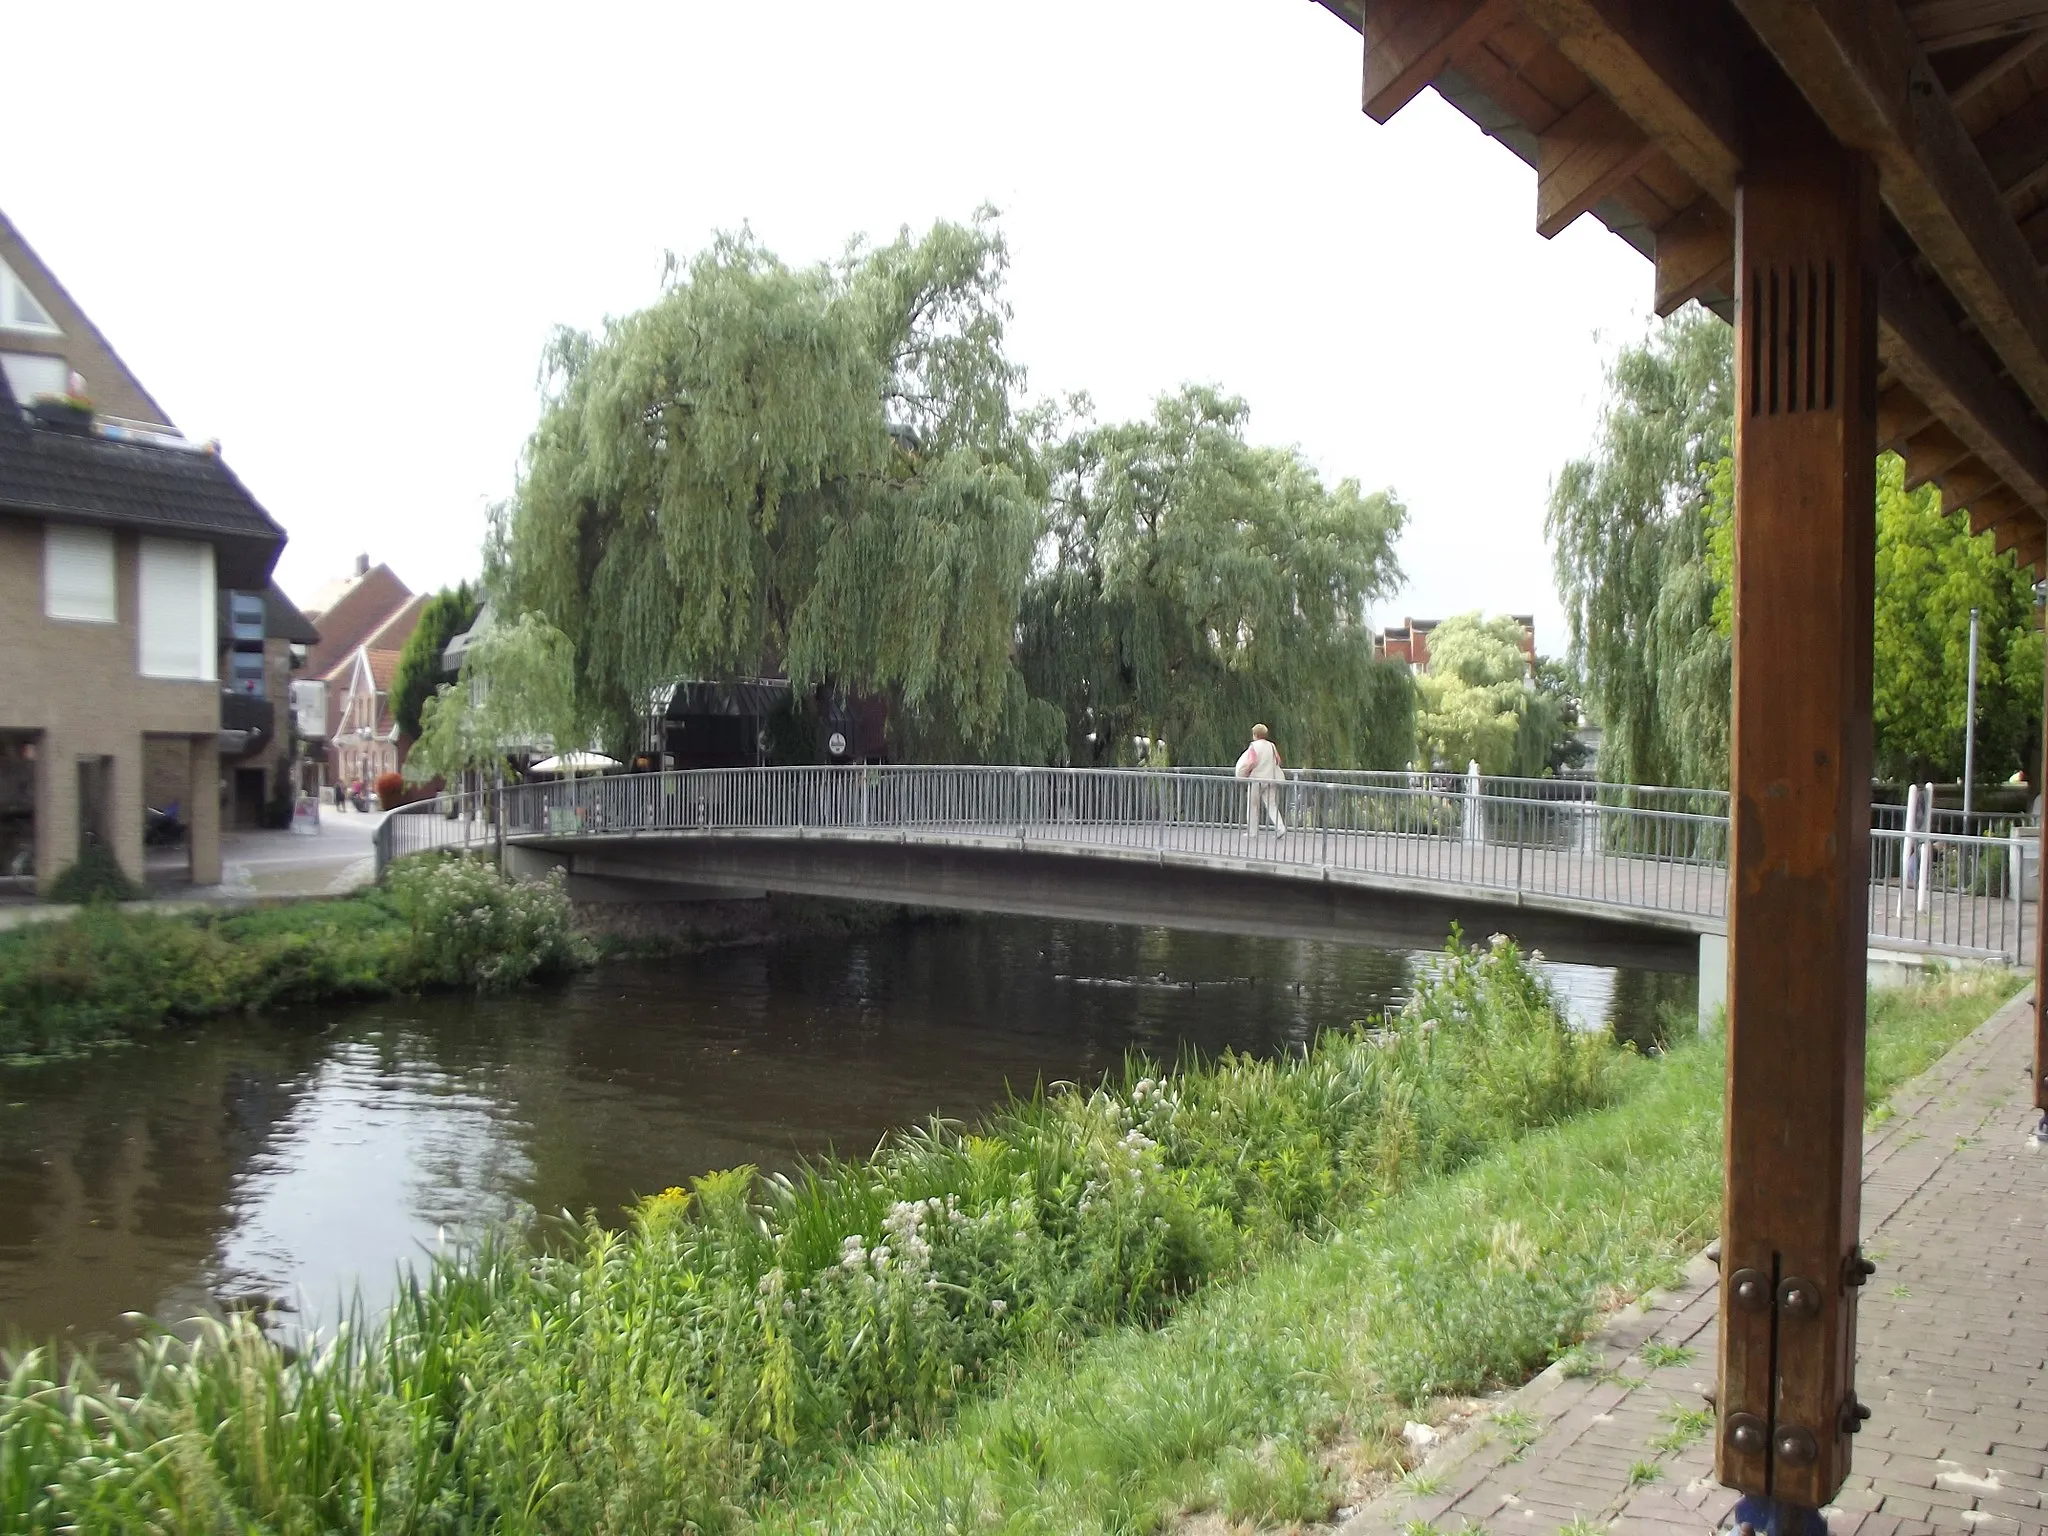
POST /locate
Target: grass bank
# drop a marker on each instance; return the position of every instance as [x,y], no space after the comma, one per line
[1458,1284]
[111,973]
[738,1339]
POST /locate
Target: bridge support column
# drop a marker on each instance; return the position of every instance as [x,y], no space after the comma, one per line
[1713,978]
[1805,414]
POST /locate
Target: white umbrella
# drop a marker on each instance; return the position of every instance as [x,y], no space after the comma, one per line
[575,762]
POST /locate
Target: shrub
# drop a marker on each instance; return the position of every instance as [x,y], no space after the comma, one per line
[390,790]
[95,875]
[444,923]
[472,927]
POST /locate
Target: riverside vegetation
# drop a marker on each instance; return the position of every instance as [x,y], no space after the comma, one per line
[440,922]
[929,1339]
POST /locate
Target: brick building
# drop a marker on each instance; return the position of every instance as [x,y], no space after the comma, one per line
[364,620]
[1409,640]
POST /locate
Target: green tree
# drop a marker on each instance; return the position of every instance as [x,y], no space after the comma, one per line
[1644,540]
[1630,526]
[1195,584]
[820,470]
[517,688]
[446,614]
[1930,573]
[1481,701]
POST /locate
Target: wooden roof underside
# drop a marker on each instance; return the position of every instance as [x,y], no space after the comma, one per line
[1628,110]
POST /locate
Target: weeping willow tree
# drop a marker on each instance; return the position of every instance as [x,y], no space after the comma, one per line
[1632,527]
[517,689]
[819,470]
[1481,701]
[1196,584]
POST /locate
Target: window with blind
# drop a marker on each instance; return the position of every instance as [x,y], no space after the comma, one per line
[78,573]
[176,613]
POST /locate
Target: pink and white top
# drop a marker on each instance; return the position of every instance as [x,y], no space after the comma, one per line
[1261,760]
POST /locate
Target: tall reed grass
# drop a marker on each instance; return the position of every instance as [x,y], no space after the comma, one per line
[1263,1399]
[735,1339]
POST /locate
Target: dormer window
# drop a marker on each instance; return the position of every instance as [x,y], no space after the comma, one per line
[20,310]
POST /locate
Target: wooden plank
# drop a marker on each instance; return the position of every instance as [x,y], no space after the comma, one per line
[1860,66]
[1987,512]
[1930,452]
[1408,41]
[1695,255]
[1668,67]
[1584,156]
[1800,802]
[1900,413]
[1965,485]
[1509,88]
[2015,148]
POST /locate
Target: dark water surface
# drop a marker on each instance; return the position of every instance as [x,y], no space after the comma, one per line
[290,1160]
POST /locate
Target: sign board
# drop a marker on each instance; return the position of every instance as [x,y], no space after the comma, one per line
[836,744]
[306,816]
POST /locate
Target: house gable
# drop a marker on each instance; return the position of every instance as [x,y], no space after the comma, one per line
[57,328]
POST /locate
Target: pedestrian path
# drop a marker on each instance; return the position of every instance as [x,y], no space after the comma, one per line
[1953,1358]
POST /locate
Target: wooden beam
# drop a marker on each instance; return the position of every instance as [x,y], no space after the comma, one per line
[1859,65]
[1941,24]
[1921,345]
[1998,507]
[1695,255]
[1408,41]
[2015,148]
[1998,60]
[1965,485]
[1931,452]
[1582,158]
[1900,413]
[1799,791]
[1670,68]
[1679,87]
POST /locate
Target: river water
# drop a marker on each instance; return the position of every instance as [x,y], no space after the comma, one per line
[286,1162]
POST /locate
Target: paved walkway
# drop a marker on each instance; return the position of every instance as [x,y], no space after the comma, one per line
[1953,1352]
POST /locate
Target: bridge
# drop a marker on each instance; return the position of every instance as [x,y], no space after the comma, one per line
[1596,873]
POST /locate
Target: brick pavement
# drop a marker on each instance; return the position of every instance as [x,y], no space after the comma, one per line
[1953,1350]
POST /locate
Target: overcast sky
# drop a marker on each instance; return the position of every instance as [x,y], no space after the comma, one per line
[336,238]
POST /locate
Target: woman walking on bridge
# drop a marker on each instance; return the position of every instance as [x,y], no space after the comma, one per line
[1261,765]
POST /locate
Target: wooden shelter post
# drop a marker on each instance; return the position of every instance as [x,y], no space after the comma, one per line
[1805,446]
[2041,911]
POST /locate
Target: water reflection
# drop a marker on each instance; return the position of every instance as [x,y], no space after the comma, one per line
[301,1157]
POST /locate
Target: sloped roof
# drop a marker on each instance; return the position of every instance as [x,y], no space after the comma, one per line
[354,610]
[80,343]
[283,621]
[392,634]
[184,493]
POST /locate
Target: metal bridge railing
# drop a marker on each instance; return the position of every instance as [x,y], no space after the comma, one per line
[1666,852]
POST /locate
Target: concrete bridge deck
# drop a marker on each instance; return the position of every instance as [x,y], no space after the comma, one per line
[1364,863]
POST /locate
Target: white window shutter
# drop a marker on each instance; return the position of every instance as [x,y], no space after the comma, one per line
[78,573]
[176,602]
